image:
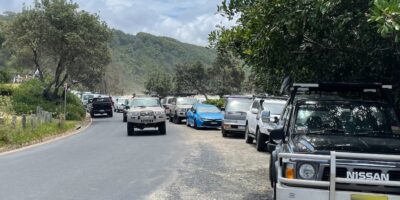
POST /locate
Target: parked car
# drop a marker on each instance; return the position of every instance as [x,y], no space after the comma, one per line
[86,97]
[100,105]
[179,107]
[125,110]
[236,108]
[120,104]
[144,112]
[262,117]
[204,116]
[167,103]
[336,141]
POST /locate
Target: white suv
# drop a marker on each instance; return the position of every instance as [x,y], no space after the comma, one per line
[263,116]
[145,112]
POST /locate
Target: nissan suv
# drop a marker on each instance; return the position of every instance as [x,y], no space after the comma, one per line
[178,108]
[336,141]
[263,116]
[145,112]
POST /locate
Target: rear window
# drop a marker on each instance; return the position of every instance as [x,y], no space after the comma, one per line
[106,99]
[238,105]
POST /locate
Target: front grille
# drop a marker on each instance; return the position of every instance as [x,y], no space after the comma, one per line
[341,172]
[146,113]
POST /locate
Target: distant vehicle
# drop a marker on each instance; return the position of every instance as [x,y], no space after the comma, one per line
[125,110]
[120,104]
[204,116]
[263,116]
[179,107]
[236,108]
[167,103]
[100,105]
[336,141]
[145,112]
[85,98]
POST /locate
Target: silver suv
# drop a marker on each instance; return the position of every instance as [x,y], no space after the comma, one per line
[263,116]
[145,112]
[179,107]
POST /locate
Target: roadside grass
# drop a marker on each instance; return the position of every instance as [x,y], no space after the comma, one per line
[11,137]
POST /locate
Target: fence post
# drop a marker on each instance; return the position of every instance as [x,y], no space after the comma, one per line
[33,121]
[14,121]
[23,121]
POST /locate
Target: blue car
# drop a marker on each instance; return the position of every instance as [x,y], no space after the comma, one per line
[204,116]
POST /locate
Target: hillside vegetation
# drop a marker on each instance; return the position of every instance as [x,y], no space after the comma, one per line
[134,56]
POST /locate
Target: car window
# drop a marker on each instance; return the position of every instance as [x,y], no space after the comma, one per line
[186,101]
[238,105]
[274,108]
[208,109]
[106,99]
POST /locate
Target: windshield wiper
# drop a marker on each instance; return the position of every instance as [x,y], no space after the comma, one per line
[327,131]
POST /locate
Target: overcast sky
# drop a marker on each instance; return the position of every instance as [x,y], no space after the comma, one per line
[186,20]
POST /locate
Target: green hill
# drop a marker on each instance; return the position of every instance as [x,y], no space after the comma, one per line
[138,55]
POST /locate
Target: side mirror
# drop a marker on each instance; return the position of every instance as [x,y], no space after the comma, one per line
[127,107]
[277,134]
[254,110]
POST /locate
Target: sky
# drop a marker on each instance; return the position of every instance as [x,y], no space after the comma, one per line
[186,20]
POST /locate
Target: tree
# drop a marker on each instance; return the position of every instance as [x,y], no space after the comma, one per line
[64,44]
[226,73]
[192,78]
[159,83]
[310,40]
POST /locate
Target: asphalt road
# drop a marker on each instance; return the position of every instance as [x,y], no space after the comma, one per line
[104,163]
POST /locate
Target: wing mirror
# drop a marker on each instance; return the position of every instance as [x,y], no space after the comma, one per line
[127,107]
[254,110]
[277,134]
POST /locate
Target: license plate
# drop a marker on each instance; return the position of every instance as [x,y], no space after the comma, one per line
[368,197]
[101,111]
[213,123]
[147,121]
[241,127]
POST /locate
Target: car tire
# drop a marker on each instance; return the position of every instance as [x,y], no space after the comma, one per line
[195,124]
[162,128]
[176,119]
[125,119]
[170,119]
[224,132]
[260,141]
[130,128]
[247,138]
[110,114]
[187,122]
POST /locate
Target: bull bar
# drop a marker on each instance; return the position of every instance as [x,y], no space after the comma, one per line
[331,184]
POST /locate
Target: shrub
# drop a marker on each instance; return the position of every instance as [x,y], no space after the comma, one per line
[7,89]
[29,95]
[217,102]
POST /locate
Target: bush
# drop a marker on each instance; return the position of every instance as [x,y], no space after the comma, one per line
[5,77]
[7,89]
[217,102]
[29,95]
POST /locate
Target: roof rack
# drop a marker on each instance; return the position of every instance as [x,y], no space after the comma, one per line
[238,96]
[341,86]
[262,96]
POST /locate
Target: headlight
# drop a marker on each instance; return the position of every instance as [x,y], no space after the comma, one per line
[307,171]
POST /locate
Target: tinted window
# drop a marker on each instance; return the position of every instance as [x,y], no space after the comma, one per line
[106,99]
[238,105]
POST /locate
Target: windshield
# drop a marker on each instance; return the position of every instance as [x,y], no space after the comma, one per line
[88,96]
[186,101]
[238,105]
[371,119]
[145,103]
[208,109]
[274,108]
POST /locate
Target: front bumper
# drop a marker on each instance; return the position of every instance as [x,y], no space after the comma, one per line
[101,111]
[234,125]
[284,192]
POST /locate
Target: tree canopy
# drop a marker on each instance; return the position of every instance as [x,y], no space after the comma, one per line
[63,43]
[314,40]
